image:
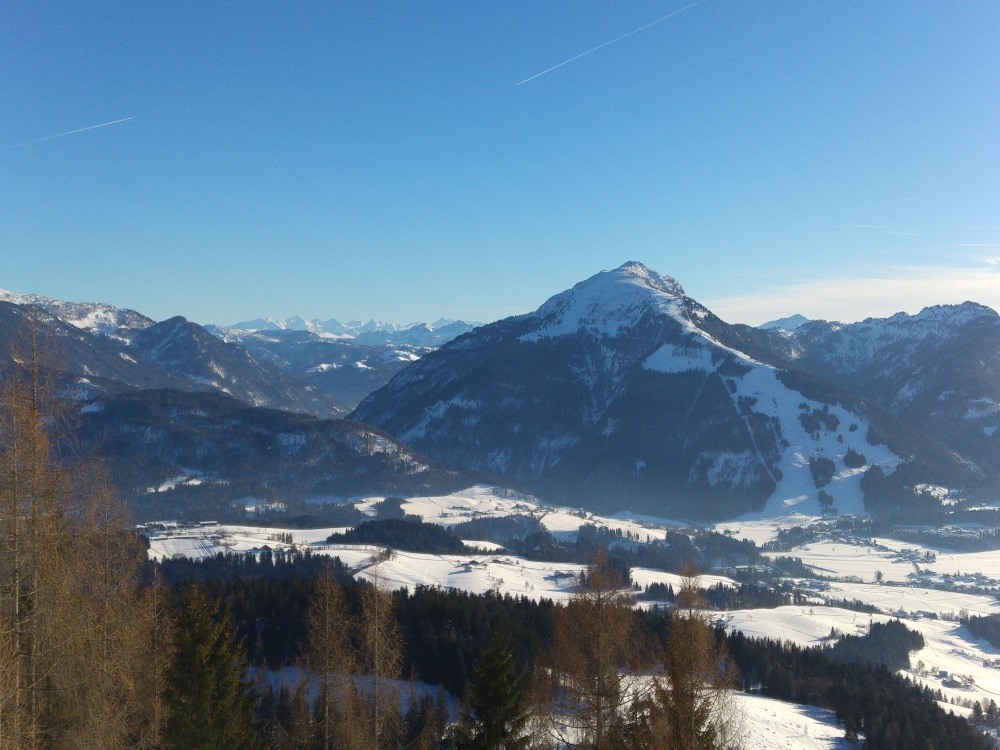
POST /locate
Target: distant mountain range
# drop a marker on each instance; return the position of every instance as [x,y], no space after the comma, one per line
[621,393]
[938,370]
[125,351]
[344,368]
[427,335]
[187,454]
[324,368]
[192,420]
[90,316]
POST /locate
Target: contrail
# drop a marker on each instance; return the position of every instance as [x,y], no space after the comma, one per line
[72,132]
[602,46]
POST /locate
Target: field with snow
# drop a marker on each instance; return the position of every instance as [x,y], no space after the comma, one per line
[487,502]
[477,573]
[912,588]
[898,562]
[952,660]
[775,725]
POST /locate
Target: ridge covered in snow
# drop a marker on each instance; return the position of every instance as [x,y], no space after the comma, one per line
[372,332]
[608,302]
[96,317]
[785,324]
[858,343]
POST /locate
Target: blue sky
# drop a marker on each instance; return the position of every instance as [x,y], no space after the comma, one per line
[360,160]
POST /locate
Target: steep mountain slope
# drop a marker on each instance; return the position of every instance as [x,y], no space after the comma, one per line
[938,370]
[187,350]
[345,369]
[120,351]
[622,392]
[84,355]
[172,451]
[96,317]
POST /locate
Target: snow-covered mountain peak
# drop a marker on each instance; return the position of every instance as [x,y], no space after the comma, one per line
[96,317]
[933,321]
[953,314]
[785,324]
[609,302]
[652,279]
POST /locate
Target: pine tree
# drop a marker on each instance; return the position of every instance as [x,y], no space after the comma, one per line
[496,717]
[209,700]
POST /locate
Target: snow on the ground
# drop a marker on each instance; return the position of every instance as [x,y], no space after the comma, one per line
[411,692]
[913,600]
[802,625]
[763,530]
[187,545]
[955,662]
[796,489]
[482,501]
[477,574]
[895,560]
[485,546]
[565,524]
[953,563]
[647,576]
[769,724]
[206,540]
[840,559]
[952,659]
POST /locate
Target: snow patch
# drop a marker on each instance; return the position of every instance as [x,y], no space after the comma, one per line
[676,359]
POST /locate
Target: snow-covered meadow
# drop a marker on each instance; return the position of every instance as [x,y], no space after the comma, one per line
[952,659]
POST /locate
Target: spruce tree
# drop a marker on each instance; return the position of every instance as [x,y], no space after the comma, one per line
[496,716]
[209,699]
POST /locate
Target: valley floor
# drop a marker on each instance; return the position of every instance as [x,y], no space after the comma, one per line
[919,585]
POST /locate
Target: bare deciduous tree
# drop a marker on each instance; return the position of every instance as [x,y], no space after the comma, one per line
[156,649]
[594,647]
[331,660]
[694,707]
[69,588]
[382,660]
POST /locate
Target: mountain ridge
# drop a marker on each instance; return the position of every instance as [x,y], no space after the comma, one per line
[643,391]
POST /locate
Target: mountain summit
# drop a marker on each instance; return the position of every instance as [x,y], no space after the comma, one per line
[609,302]
[623,393]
